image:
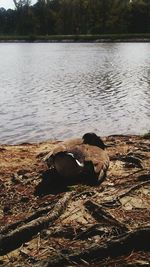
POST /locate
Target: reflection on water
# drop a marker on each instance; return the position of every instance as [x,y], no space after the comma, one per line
[62,90]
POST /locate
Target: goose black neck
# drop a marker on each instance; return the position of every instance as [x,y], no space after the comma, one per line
[94,140]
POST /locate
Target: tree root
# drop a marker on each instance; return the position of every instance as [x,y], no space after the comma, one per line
[134,187]
[25,232]
[137,240]
[40,212]
[103,216]
[115,202]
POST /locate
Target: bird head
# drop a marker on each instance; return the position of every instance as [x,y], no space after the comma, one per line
[94,140]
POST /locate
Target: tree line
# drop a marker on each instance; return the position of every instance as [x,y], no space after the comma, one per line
[67,17]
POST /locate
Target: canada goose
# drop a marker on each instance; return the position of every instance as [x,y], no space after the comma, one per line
[84,159]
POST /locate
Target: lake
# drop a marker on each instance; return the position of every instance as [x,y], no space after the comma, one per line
[61,90]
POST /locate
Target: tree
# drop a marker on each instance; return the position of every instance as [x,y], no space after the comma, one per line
[139,16]
[76,17]
[21,3]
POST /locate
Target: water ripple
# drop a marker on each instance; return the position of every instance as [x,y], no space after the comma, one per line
[53,91]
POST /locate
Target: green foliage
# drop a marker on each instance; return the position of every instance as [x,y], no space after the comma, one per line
[76,17]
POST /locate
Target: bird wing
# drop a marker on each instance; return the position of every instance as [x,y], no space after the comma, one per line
[65,146]
[99,159]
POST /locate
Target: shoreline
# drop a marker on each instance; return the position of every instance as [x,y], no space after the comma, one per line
[76,38]
[80,41]
[145,135]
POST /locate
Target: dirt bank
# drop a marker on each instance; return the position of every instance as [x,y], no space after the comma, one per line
[81,225]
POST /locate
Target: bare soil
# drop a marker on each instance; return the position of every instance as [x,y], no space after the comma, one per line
[43,223]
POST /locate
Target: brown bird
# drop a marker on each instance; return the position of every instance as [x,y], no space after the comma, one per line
[84,159]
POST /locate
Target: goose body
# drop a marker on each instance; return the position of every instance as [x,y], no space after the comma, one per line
[84,158]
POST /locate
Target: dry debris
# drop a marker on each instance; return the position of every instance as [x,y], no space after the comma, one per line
[45,224]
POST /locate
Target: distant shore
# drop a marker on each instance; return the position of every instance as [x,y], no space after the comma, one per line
[77,38]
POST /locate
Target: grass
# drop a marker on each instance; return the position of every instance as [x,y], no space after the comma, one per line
[77,38]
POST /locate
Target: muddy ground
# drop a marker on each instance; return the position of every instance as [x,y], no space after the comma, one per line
[45,224]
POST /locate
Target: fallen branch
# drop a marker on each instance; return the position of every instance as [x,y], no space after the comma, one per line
[137,240]
[25,233]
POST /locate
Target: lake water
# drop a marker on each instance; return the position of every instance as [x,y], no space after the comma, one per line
[61,90]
